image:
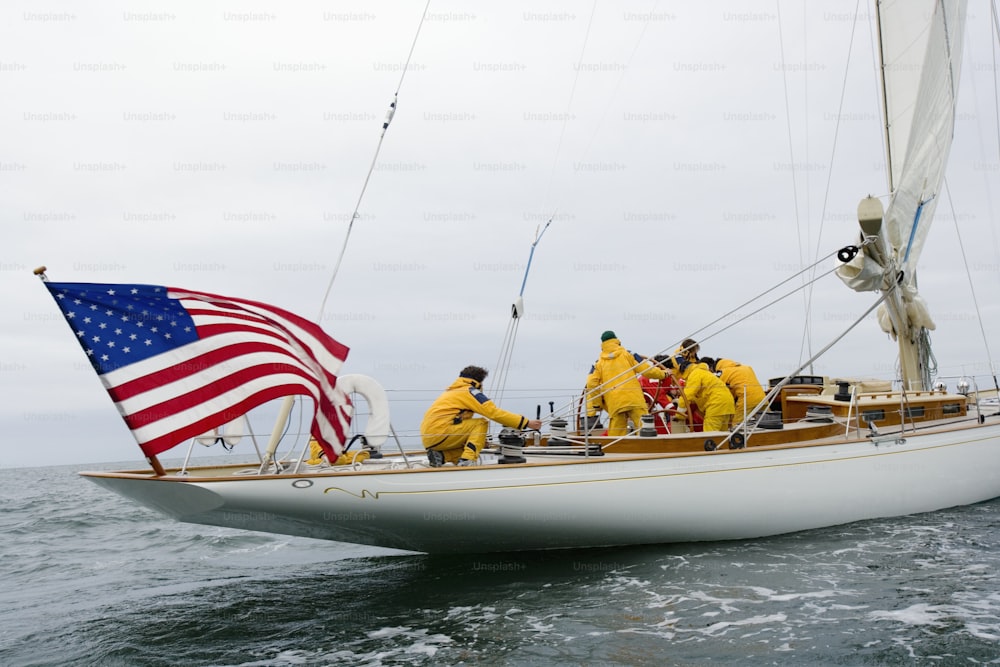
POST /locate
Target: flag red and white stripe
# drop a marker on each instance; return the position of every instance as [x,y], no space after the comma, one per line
[239,355]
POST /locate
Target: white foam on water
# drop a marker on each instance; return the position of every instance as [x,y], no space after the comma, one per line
[722,626]
[918,614]
[788,597]
[472,614]
[385,633]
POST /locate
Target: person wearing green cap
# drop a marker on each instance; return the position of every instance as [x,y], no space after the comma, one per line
[613,382]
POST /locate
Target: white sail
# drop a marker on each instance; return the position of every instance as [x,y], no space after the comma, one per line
[903,36]
[921,64]
[921,60]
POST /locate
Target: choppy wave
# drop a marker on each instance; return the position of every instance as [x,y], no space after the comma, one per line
[92,579]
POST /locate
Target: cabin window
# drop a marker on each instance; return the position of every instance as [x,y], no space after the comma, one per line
[952,408]
[915,412]
[872,416]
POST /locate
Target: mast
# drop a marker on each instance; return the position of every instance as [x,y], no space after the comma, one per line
[870,220]
[881,79]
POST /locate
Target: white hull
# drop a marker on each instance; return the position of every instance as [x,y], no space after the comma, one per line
[604,501]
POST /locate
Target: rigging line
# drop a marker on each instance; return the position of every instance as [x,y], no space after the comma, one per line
[618,84]
[986,151]
[972,287]
[791,157]
[506,352]
[768,291]
[833,147]
[538,237]
[503,362]
[807,188]
[569,103]
[808,284]
[385,126]
[413,45]
[993,50]
[507,348]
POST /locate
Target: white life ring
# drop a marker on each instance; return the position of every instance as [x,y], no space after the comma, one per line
[234,430]
[230,434]
[208,439]
[377,430]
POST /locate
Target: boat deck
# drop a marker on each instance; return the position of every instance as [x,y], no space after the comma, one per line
[577,449]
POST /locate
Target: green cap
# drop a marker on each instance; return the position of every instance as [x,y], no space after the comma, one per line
[608,335]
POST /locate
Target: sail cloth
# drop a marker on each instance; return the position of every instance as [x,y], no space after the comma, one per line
[178,363]
[921,43]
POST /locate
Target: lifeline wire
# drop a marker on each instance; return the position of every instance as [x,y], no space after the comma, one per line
[385,126]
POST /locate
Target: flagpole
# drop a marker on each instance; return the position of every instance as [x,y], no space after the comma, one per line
[154,462]
[151,459]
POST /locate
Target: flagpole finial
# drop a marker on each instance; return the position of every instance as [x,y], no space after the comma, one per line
[40,272]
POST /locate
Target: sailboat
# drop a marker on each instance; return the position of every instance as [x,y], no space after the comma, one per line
[819,451]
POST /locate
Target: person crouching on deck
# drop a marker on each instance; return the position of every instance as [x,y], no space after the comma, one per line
[613,379]
[451,434]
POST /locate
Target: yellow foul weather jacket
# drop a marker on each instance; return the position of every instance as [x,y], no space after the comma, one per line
[613,379]
[463,399]
[708,392]
[741,380]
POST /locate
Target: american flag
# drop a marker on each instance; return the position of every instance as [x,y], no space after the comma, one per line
[178,363]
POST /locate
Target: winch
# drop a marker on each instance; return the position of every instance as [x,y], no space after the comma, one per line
[511,446]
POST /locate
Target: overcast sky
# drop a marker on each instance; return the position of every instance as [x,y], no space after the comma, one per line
[691,155]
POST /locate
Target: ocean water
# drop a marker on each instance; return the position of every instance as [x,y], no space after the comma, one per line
[90,579]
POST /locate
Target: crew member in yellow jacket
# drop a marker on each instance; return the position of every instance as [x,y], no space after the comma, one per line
[688,349]
[450,432]
[614,379]
[743,383]
[708,392]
